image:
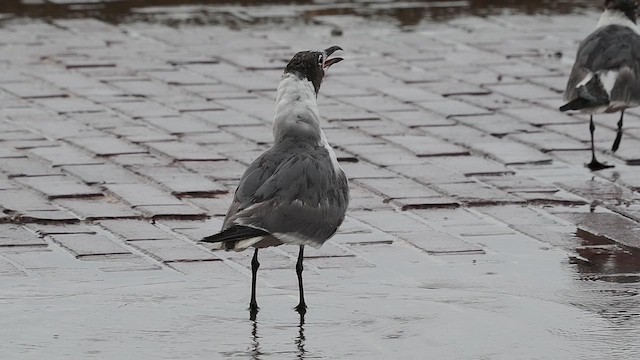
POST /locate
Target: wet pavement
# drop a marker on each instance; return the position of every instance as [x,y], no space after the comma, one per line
[474,230]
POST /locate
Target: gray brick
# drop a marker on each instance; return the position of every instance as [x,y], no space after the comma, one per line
[185,151]
[180,181]
[103,208]
[427,146]
[101,174]
[58,186]
[87,245]
[473,193]
[107,146]
[132,230]
[15,235]
[438,243]
[142,194]
[173,250]
[64,155]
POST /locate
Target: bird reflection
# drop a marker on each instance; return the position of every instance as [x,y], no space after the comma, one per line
[301,339]
[256,353]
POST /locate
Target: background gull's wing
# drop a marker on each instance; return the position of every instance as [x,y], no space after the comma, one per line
[612,48]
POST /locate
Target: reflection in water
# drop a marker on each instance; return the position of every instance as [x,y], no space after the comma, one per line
[300,340]
[407,13]
[609,274]
[255,351]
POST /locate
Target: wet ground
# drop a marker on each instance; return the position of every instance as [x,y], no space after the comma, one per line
[474,230]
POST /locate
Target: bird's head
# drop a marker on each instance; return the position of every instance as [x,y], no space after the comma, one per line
[312,64]
[627,7]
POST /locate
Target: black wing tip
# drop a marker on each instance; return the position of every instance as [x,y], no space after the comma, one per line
[576,104]
[234,233]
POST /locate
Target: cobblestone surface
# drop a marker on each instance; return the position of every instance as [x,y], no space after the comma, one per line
[470,202]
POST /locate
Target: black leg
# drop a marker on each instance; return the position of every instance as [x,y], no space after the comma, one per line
[253,305]
[616,143]
[302,307]
[595,165]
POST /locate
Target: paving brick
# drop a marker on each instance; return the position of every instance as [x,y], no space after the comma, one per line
[384,154]
[451,107]
[226,118]
[378,104]
[103,208]
[141,134]
[181,125]
[8,153]
[26,167]
[51,229]
[64,155]
[524,91]
[512,153]
[550,141]
[170,250]
[58,186]
[15,235]
[363,170]
[391,221]
[33,90]
[472,165]
[107,146]
[496,124]
[194,230]
[180,181]
[23,200]
[427,146]
[429,173]
[89,245]
[599,190]
[473,193]
[415,119]
[132,230]
[393,188]
[438,243]
[219,170]
[8,269]
[612,227]
[142,194]
[101,174]
[185,151]
[140,109]
[140,159]
[61,129]
[70,105]
[181,77]
[540,116]
[172,211]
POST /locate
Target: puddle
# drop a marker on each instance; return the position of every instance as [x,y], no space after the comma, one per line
[252,12]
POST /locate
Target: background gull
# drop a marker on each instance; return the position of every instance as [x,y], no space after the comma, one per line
[295,192]
[605,77]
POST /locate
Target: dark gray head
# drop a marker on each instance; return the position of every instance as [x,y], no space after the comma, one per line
[628,7]
[311,65]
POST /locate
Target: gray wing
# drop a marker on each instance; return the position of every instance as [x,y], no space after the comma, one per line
[610,48]
[295,193]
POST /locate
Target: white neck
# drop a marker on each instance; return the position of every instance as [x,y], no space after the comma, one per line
[615,17]
[296,109]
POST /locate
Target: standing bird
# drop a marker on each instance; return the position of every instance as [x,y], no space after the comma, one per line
[606,75]
[295,192]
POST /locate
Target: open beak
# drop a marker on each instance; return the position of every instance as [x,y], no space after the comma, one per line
[328,62]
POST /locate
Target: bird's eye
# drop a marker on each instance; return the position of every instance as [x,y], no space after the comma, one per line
[320,59]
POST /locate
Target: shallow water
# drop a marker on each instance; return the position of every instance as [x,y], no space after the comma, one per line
[211,12]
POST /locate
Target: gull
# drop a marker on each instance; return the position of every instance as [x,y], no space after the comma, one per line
[295,192]
[606,75]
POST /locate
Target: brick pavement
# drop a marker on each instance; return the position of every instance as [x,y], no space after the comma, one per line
[120,146]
